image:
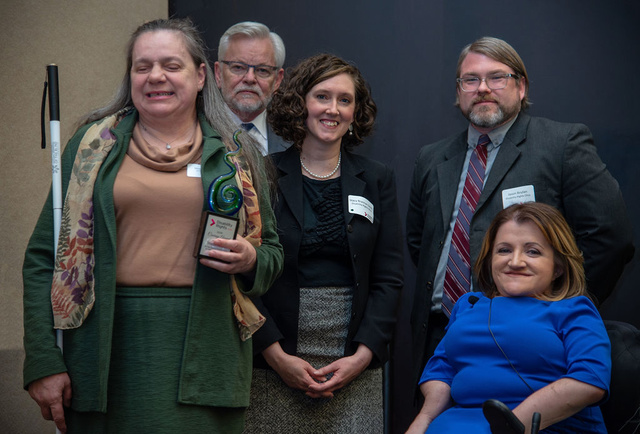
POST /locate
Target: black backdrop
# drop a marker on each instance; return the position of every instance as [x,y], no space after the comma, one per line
[582,58]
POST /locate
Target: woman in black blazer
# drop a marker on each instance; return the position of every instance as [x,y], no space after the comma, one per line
[330,316]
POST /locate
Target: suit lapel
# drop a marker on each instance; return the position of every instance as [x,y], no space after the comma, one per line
[507,156]
[351,183]
[290,182]
[449,172]
[275,142]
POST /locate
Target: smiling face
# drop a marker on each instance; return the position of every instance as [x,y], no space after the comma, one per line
[522,261]
[248,95]
[164,79]
[330,106]
[487,109]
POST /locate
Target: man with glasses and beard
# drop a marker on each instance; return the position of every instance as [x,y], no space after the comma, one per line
[504,157]
[248,71]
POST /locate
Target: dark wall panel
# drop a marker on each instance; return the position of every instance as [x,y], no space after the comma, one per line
[582,59]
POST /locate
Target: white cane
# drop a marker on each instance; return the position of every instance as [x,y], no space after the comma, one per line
[56,176]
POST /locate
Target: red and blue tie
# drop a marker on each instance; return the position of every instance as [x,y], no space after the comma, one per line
[457,280]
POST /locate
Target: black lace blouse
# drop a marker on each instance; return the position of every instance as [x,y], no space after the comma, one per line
[324,253]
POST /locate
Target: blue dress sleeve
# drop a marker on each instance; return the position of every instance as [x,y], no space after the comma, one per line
[438,366]
[586,343]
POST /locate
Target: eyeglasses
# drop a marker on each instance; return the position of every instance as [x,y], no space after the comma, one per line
[241,68]
[494,82]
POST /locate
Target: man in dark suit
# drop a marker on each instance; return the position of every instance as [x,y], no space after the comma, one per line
[526,159]
[248,71]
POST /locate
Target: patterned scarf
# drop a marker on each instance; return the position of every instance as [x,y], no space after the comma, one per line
[72,291]
[73,288]
[248,317]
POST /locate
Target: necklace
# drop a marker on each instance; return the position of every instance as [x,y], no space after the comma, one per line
[167,144]
[322,176]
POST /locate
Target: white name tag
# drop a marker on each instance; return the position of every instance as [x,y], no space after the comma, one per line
[361,206]
[516,195]
[193,171]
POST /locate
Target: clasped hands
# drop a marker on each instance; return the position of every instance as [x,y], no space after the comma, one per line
[317,383]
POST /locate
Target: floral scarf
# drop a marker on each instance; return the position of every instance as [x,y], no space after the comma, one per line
[73,288]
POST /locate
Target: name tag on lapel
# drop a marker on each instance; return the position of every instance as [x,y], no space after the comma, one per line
[361,206]
[525,193]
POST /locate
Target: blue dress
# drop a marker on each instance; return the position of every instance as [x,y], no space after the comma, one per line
[545,341]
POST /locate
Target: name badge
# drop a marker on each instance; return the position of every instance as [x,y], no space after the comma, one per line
[518,195]
[361,206]
[193,171]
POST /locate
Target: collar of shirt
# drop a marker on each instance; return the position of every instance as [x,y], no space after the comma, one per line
[259,130]
[259,122]
[496,135]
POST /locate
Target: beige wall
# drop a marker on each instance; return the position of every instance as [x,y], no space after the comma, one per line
[86,39]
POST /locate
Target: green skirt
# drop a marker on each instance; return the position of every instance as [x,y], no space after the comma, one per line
[146,355]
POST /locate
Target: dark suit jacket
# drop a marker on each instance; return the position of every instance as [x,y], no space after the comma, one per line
[275,143]
[375,249]
[560,161]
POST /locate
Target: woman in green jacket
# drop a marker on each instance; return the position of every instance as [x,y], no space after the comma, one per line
[155,339]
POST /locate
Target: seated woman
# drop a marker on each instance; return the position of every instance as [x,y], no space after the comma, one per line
[532,339]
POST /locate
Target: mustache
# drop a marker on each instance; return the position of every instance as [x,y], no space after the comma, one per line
[255,89]
[483,99]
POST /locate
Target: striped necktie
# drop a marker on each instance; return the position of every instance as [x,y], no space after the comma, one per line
[457,280]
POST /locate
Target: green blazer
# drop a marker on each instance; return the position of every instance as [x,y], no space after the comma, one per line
[216,368]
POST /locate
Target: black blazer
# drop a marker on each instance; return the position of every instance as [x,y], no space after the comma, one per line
[275,143]
[561,162]
[375,249]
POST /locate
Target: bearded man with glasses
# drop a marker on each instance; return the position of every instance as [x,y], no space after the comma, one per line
[504,157]
[248,71]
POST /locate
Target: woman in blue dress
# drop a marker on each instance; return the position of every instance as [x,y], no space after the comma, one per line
[532,339]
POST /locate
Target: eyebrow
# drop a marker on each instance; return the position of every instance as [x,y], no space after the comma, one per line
[326,90]
[167,59]
[527,244]
[249,63]
[497,71]
[533,243]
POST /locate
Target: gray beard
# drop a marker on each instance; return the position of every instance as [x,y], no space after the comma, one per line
[491,120]
[243,107]
[487,120]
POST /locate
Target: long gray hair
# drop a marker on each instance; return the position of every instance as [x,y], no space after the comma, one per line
[209,100]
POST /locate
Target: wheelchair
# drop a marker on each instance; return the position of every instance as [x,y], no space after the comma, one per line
[621,412]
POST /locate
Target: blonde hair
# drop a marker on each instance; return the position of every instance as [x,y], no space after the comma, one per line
[556,231]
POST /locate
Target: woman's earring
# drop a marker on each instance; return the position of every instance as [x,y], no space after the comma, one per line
[351,129]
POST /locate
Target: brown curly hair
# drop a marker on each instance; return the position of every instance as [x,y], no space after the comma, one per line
[287,112]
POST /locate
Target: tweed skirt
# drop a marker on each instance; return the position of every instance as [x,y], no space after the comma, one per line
[148,338]
[322,331]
